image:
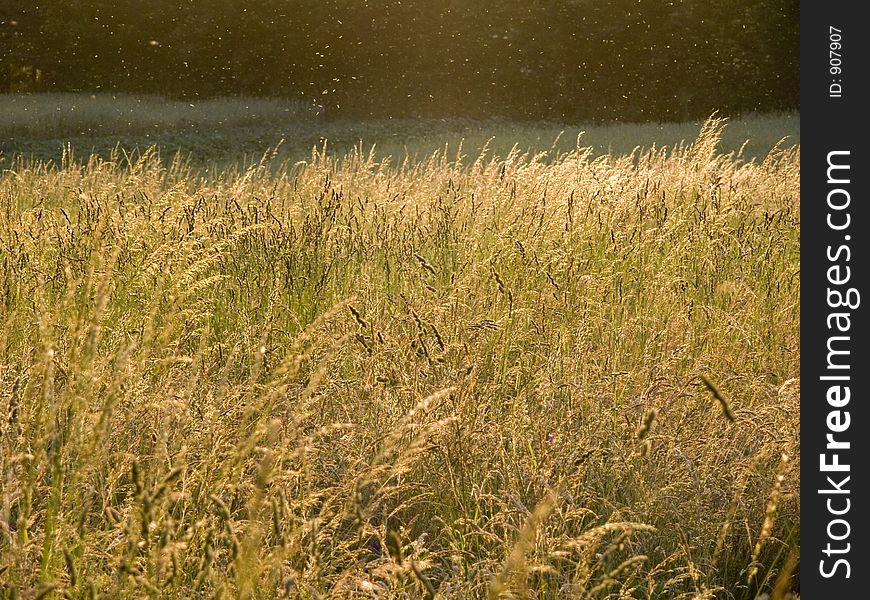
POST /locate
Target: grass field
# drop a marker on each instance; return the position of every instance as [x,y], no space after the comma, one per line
[562,375]
[224,132]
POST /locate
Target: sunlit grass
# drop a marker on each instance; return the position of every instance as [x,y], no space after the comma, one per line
[348,378]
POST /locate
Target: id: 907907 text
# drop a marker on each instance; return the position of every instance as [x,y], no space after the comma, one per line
[835,62]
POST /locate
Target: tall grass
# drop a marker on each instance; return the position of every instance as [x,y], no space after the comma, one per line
[347,378]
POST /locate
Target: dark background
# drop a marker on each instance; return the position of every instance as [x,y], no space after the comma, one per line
[637,60]
[831,124]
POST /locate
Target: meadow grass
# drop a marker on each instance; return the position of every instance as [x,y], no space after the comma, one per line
[217,132]
[60,116]
[532,376]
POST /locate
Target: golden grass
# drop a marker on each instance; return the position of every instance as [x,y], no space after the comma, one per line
[345,378]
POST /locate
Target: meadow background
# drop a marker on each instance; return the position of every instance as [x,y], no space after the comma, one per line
[394,366]
[226,132]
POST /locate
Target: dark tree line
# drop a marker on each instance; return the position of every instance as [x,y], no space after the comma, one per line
[565,59]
